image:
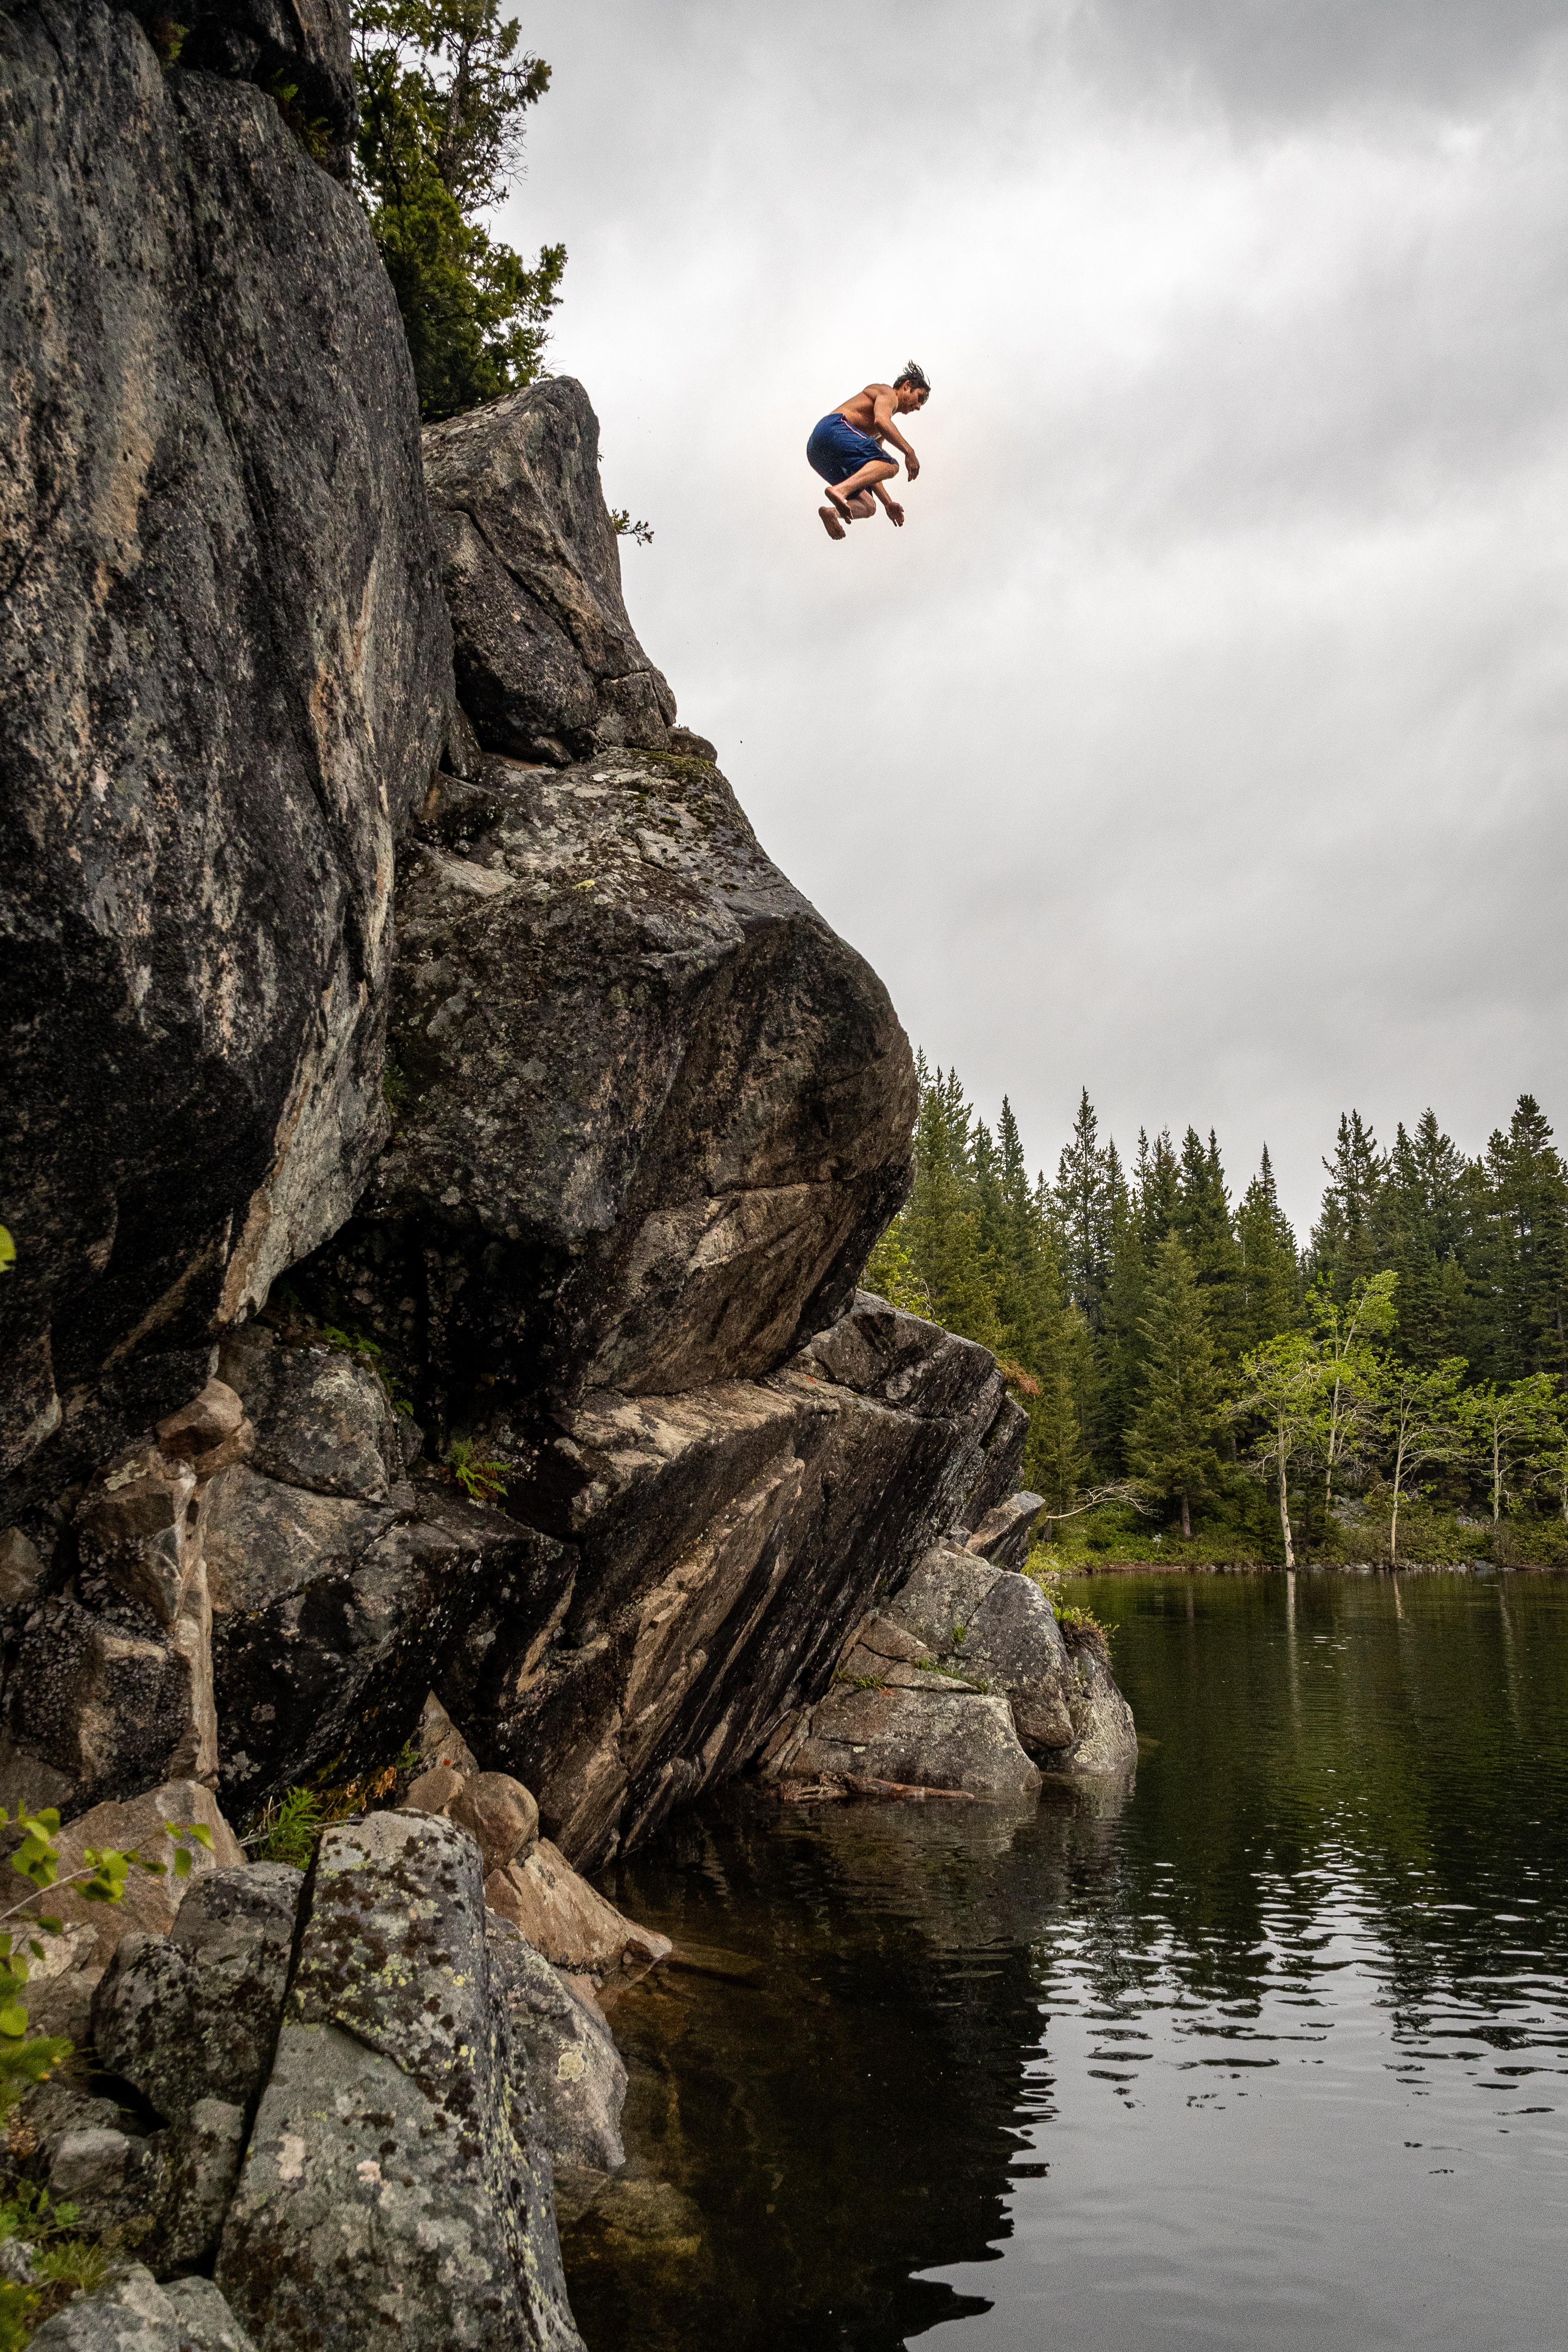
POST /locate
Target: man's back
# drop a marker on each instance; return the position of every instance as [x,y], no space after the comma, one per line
[860,409]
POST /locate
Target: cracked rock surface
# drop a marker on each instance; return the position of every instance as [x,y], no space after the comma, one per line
[655,1111]
[225,675]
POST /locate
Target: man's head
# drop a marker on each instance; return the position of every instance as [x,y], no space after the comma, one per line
[911,388]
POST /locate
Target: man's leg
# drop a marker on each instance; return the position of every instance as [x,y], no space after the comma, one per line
[877,470]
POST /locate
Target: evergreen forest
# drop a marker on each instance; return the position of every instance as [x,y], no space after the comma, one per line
[1201,1383]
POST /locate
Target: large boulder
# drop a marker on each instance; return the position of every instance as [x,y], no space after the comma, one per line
[654,1111]
[996,1627]
[152,1899]
[723,1543]
[546,660]
[964,1680]
[225,678]
[942,1738]
[392,2176]
[194,2016]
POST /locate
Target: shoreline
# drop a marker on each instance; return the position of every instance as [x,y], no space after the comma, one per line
[1310,1566]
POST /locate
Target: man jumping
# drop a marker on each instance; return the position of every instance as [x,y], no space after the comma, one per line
[846,449]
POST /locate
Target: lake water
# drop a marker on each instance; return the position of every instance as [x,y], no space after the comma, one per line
[1271,2054]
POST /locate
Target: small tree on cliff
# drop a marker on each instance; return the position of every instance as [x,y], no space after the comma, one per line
[443,94]
[1170,1445]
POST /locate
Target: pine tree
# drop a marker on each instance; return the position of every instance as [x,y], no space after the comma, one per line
[940,1228]
[1419,1225]
[1170,1447]
[1158,1189]
[1203,1221]
[1083,1208]
[1527,1252]
[1267,1298]
[443,92]
[1343,1240]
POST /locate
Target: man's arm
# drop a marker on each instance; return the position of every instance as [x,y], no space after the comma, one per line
[887,425]
[895,511]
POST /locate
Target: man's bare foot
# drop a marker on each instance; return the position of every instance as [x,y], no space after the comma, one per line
[830,522]
[840,504]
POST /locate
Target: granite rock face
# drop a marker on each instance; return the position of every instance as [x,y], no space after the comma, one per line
[336,1580]
[718,1548]
[108,1686]
[224,683]
[546,660]
[574,2070]
[655,1111]
[195,2017]
[964,1681]
[393,2173]
[131,2312]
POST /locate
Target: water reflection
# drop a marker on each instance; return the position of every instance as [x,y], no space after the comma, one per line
[1272,2056]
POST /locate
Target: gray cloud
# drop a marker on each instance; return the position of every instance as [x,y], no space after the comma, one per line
[1200,738]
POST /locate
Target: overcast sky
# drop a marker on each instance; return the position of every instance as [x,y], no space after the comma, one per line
[1201,739]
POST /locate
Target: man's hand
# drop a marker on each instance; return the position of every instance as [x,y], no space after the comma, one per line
[911,462]
[895,511]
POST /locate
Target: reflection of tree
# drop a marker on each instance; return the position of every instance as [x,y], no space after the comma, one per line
[1416,1773]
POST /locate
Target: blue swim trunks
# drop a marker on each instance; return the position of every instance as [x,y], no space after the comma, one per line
[836,450]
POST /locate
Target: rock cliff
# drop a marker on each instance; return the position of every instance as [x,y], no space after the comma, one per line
[441,1148]
[224,678]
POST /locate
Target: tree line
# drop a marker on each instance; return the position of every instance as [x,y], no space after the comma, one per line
[1171,1343]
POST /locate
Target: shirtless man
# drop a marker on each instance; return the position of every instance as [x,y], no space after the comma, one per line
[846,449]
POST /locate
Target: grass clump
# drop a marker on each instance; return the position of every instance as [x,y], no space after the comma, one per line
[483,1481]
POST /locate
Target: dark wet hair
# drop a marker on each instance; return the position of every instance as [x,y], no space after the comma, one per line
[914,374]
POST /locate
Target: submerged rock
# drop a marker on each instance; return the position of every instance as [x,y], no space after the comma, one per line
[575,2072]
[568,1921]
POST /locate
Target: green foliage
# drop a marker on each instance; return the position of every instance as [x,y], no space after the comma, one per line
[1170,1444]
[27,2058]
[1083,1620]
[288,1828]
[294,1829]
[7,1251]
[1421,1259]
[396,1088]
[481,1480]
[354,1343]
[890,1273]
[443,94]
[63,2265]
[168,39]
[642,533]
[313,131]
